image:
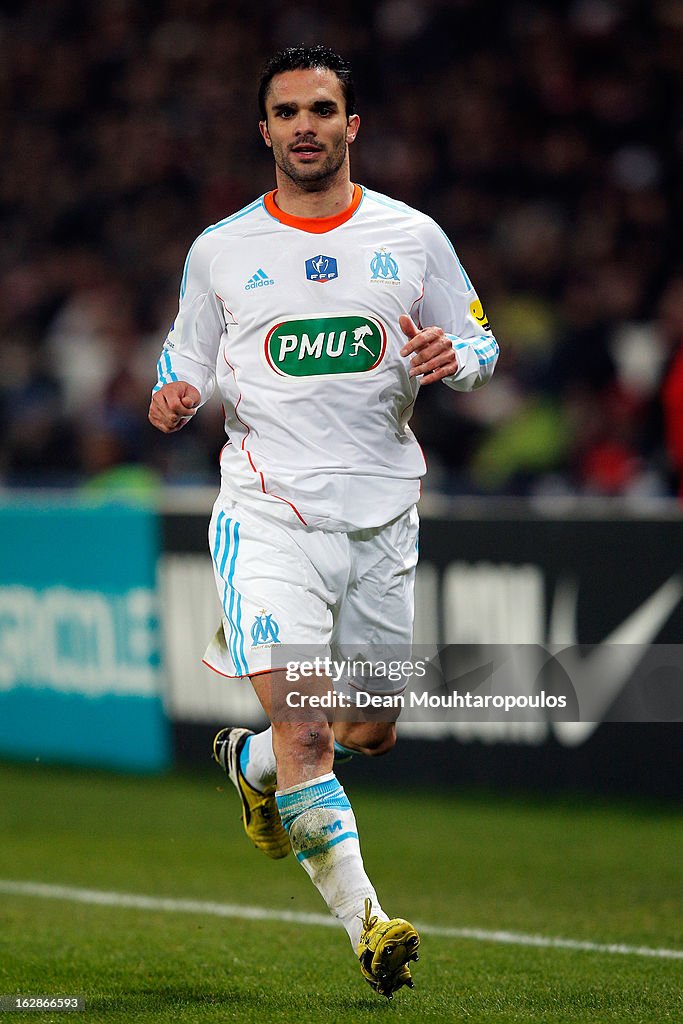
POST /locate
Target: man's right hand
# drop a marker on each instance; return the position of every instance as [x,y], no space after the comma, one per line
[173,406]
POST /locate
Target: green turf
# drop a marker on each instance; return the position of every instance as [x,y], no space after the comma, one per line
[585,871]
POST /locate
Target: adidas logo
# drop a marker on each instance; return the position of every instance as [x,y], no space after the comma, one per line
[258,280]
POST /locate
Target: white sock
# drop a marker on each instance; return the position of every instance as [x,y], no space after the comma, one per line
[257,760]
[324,836]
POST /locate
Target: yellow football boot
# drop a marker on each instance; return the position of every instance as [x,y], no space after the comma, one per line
[260,815]
[384,951]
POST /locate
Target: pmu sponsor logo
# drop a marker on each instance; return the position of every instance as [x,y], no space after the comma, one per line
[325,346]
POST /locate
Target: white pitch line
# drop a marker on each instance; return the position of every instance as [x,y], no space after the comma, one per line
[159,903]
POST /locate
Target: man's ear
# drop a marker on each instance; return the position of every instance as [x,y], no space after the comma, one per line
[352,127]
[263,128]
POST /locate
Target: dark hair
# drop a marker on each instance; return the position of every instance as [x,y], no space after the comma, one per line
[301,58]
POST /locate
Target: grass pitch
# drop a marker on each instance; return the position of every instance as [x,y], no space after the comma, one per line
[603,873]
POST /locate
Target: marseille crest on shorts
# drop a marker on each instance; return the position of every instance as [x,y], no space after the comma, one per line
[265,630]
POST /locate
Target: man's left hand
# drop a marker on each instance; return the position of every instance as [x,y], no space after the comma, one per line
[433,354]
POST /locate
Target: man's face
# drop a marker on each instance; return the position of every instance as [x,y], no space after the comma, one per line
[306,126]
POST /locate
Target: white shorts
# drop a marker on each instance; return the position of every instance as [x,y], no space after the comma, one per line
[284,587]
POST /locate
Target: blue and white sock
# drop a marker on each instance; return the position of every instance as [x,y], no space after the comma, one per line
[324,836]
[257,761]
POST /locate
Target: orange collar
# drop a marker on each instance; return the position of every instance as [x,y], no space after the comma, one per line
[316,225]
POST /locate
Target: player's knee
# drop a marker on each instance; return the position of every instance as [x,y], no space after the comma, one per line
[307,739]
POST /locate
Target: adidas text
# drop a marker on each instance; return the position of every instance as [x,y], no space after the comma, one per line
[258,280]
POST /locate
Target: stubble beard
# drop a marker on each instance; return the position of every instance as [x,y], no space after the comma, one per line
[312,179]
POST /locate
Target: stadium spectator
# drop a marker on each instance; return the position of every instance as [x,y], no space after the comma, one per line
[560,131]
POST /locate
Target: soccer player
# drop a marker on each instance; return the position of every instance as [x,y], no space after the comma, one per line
[318,310]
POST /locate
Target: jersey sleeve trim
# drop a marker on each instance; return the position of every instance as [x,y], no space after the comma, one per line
[251,208]
[477,358]
[485,347]
[468,283]
[165,371]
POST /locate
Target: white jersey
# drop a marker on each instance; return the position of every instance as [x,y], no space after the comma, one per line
[296,321]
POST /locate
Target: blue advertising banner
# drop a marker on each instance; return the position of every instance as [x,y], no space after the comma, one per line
[79,636]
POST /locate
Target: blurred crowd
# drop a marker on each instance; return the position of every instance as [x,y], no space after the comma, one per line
[544,137]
